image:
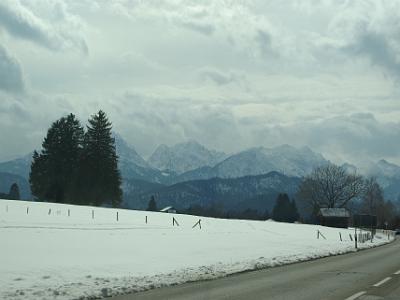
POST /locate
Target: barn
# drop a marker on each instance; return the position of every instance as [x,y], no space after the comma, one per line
[334,217]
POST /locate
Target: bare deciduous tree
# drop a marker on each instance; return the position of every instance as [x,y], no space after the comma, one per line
[330,186]
[372,199]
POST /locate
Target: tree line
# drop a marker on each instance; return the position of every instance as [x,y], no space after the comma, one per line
[77,165]
[284,210]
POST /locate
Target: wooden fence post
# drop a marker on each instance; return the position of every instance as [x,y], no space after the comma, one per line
[197,223]
[146,219]
[27,210]
[49,211]
[92,214]
[174,221]
[320,234]
[69,213]
[340,235]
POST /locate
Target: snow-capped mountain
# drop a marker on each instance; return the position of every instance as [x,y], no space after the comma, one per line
[384,168]
[388,176]
[285,159]
[184,157]
[133,166]
[386,173]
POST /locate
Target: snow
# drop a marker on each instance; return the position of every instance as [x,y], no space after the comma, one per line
[46,254]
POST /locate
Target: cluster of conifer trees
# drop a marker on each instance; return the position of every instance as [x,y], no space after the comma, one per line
[285,210]
[77,166]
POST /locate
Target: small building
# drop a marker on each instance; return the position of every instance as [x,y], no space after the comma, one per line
[169,209]
[334,217]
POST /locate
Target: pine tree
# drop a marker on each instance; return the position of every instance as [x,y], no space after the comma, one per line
[152,204]
[100,174]
[54,171]
[285,210]
[294,214]
[14,192]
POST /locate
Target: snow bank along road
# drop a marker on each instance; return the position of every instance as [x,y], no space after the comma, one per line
[371,274]
[56,251]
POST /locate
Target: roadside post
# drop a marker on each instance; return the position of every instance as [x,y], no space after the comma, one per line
[355,236]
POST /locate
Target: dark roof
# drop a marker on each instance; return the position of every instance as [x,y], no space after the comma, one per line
[334,212]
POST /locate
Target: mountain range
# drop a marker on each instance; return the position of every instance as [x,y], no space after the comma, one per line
[181,174]
[185,157]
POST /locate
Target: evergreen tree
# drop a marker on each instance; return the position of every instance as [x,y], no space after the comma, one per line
[14,192]
[294,215]
[101,179]
[54,171]
[285,210]
[152,204]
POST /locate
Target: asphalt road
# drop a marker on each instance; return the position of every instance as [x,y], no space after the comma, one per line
[351,276]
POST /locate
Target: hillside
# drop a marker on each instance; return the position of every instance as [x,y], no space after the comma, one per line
[258,192]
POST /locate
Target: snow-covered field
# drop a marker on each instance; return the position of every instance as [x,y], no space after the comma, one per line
[46,254]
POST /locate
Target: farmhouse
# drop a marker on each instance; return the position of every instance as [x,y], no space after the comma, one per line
[334,217]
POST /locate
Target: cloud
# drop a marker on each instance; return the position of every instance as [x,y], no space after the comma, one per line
[356,138]
[49,25]
[218,77]
[230,74]
[11,75]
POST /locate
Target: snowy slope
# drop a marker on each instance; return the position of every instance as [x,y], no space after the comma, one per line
[184,157]
[46,254]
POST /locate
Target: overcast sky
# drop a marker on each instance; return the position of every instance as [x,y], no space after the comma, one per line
[229,74]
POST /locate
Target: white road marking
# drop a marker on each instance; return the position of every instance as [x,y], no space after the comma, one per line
[355,296]
[397,273]
[382,281]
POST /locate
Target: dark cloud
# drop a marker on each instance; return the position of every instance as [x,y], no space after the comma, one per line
[21,22]
[11,75]
[378,49]
[216,76]
[203,28]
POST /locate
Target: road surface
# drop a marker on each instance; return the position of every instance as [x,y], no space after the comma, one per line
[365,275]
